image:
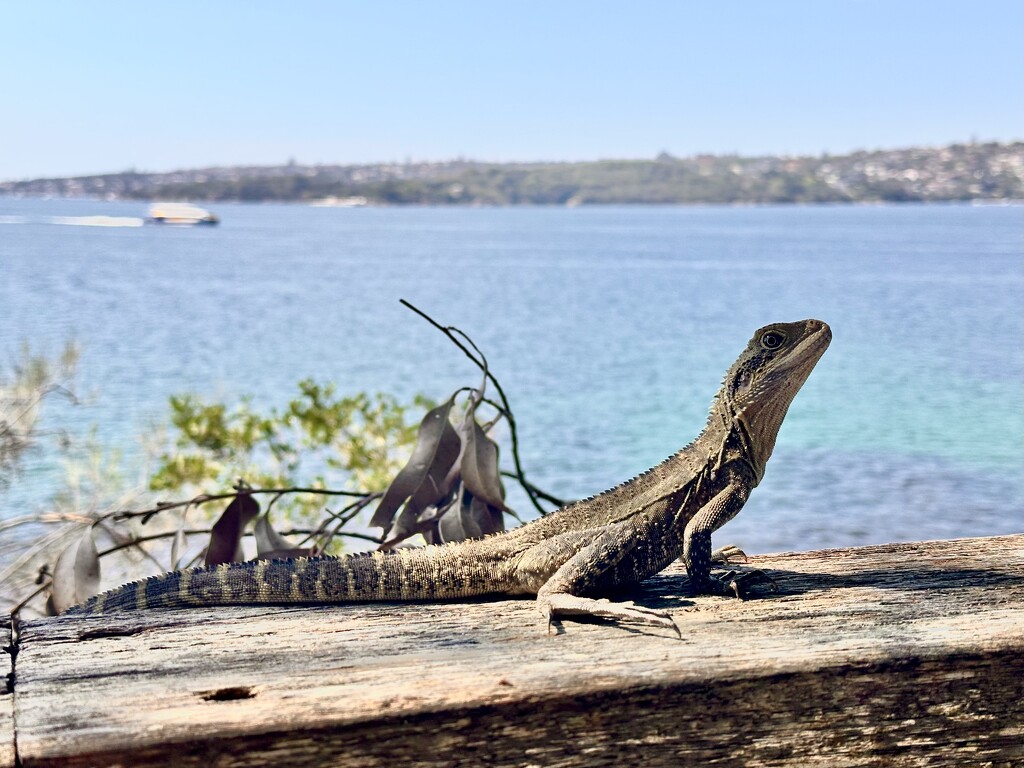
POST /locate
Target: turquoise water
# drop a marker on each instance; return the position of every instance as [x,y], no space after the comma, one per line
[608,327]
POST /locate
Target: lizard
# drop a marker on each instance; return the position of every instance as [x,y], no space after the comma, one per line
[572,556]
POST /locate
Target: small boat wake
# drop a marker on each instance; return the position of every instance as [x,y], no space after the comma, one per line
[97,221]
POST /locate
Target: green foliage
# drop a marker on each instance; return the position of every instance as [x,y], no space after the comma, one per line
[359,441]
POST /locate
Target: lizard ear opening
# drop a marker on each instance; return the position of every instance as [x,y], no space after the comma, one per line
[741,382]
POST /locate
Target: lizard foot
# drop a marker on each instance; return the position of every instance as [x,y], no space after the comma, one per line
[724,555]
[738,583]
[564,604]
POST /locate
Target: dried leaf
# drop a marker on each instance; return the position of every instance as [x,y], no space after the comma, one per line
[436,488]
[87,567]
[430,501]
[449,528]
[267,539]
[480,463]
[177,545]
[76,575]
[470,525]
[437,448]
[409,523]
[472,518]
[226,537]
[486,519]
[425,524]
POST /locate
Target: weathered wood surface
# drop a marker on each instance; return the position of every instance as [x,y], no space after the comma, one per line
[897,655]
[6,698]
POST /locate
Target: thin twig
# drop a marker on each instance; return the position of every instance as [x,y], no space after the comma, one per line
[45,517]
[540,493]
[129,542]
[273,501]
[37,591]
[190,532]
[344,515]
[205,498]
[135,542]
[360,536]
[343,519]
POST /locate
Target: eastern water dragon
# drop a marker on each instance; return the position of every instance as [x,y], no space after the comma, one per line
[571,557]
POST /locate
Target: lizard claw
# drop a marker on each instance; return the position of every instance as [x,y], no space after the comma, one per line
[725,554]
[570,605]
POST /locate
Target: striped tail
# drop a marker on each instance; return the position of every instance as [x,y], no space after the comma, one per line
[430,573]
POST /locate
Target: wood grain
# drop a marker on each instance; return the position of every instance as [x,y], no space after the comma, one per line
[6,697]
[896,655]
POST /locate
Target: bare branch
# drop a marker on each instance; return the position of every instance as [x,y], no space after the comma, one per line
[205,498]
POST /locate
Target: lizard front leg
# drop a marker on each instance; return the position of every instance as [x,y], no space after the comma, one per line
[697,554]
[598,563]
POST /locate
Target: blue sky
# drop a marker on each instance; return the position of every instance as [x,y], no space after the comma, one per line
[96,86]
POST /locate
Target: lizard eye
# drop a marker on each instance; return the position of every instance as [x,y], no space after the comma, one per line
[772,340]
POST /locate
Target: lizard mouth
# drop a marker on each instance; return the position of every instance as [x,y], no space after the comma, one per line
[810,348]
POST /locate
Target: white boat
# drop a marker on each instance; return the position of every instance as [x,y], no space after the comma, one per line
[180,213]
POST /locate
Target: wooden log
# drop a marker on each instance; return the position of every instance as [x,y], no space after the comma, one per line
[896,655]
[7,755]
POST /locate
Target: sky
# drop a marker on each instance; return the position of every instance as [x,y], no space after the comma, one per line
[100,86]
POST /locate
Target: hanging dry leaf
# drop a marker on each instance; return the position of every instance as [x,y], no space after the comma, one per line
[480,463]
[177,547]
[475,500]
[178,542]
[270,545]
[437,448]
[226,537]
[76,575]
[449,529]
[471,518]
[449,525]
[431,500]
[428,520]
[485,518]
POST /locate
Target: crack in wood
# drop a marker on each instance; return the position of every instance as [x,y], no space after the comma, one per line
[235,693]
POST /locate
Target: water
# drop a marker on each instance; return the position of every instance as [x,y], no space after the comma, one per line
[609,329]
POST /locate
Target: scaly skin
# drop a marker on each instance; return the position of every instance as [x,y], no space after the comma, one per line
[586,548]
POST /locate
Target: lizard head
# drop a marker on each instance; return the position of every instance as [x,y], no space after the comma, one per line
[762,383]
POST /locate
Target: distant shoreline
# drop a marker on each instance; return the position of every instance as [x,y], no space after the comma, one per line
[973,172]
[977,202]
